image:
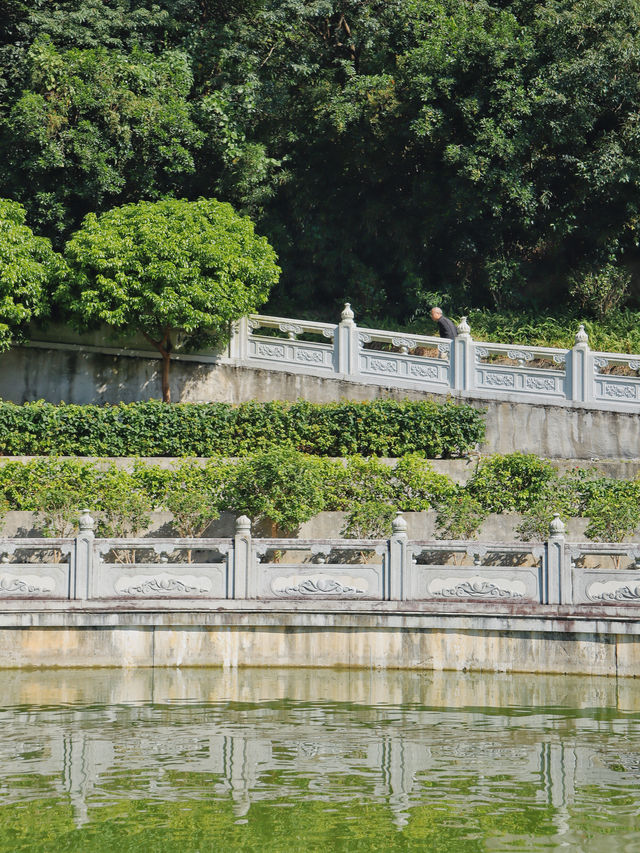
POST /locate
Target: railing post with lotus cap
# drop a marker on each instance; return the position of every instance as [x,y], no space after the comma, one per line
[239,341]
[239,585]
[395,585]
[462,377]
[346,344]
[82,581]
[558,583]
[579,372]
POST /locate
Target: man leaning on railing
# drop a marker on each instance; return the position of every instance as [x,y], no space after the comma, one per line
[446,327]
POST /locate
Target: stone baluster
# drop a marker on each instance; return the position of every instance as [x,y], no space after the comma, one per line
[397,559]
[82,580]
[558,581]
[462,369]
[579,369]
[239,341]
[241,584]
[346,344]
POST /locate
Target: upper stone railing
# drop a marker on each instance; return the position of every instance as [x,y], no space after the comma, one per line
[426,363]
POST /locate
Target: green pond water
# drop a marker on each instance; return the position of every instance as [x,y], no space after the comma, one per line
[288,760]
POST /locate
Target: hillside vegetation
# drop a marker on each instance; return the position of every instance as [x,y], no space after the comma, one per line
[395,153]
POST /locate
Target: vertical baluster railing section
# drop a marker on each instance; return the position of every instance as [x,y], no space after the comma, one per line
[424,362]
[243,568]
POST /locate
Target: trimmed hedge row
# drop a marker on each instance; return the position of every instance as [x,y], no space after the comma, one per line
[379,428]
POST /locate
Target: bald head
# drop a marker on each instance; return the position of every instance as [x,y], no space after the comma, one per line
[436,313]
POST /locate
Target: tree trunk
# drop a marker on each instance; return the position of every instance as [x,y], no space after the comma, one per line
[166,389]
[164,348]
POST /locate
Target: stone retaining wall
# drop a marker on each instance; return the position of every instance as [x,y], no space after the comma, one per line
[455,638]
[78,375]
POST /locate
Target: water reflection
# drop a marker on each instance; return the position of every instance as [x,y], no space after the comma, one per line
[463,747]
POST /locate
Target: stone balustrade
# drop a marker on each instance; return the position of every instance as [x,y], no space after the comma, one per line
[244,568]
[432,364]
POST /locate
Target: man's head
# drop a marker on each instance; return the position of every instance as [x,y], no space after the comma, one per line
[436,313]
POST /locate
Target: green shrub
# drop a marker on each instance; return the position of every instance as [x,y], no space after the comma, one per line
[418,486]
[381,428]
[122,507]
[511,482]
[56,489]
[357,480]
[459,515]
[369,520]
[195,494]
[567,495]
[282,487]
[600,290]
[613,511]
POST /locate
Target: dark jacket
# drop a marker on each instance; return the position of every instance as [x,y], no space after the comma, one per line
[447,328]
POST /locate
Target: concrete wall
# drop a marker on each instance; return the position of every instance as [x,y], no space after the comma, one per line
[76,375]
[459,470]
[473,641]
[325,525]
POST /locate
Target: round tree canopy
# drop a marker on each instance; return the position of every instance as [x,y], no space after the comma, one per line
[167,266]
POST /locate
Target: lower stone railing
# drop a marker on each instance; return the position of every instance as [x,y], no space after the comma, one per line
[242,568]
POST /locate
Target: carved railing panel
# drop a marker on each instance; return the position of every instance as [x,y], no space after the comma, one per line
[520,370]
[299,354]
[160,569]
[36,568]
[406,368]
[616,377]
[485,580]
[325,569]
[605,573]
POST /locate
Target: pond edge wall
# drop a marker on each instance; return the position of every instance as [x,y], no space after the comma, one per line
[357,635]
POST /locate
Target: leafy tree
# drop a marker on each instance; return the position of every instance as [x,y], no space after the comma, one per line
[459,515]
[369,520]
[419,486]
[613,510]
[27,268]
[167,269]
[510,482]
[282,487]
[123,508]
[195,495]
[96,127]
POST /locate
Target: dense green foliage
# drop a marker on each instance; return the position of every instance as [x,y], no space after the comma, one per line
[28,267]
[510,483]
[381,428]
[395,152]
[282,488]
[618,331]
[278,486]
[165,269]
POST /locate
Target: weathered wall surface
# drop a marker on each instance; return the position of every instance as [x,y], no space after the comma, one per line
[473,642]
[80,376]
[459,470]
[325,525]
